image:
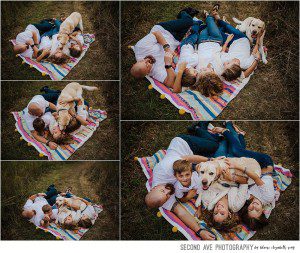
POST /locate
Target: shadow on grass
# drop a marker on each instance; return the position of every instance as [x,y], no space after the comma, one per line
[278,139]
[96,180]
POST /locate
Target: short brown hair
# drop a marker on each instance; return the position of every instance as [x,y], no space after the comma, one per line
[39,125]
[73,125]
[85,223]
[71,226]
[180,166]
[75,52]
[209,85]
[46,208]
[232,73]
[58,60]
[252,223]
[187,80]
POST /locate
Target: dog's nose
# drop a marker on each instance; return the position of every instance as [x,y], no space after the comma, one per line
[204,182]
[254,32]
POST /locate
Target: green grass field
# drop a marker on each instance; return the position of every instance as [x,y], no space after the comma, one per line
[278,139]
[97,180]
[103,145]
[101,62]
[272,92]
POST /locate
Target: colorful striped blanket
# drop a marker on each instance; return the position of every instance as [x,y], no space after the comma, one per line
[58,72]
[63,234]
[281,176]
[63,152]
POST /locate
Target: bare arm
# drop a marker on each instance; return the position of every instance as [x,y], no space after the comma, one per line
[35,38]
[188,196]
[52,106]
[249,173]
[41,139]
[195,158]
[225,45]
[160,38]
[82,120]
[45,53]
[177,84]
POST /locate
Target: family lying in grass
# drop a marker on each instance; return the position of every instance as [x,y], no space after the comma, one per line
[52,40]
[233,184]
[53,116]
[213,51]
[65,209]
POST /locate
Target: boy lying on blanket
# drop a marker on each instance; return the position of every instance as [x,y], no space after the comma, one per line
[174,175]
[202,70]
[66,209]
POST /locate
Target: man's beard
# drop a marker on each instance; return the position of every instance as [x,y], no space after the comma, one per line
[171,188]
[151,59]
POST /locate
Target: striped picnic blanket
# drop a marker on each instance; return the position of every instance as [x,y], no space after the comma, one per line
[58,72]
[281,176]
[63,234]
[63,152]
[193,102]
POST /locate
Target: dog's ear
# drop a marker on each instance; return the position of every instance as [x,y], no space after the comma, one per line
[251,22]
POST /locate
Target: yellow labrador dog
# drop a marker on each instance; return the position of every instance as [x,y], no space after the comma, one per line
[211,171]
[252,27]
[73,202]
[67,27]
[73,91]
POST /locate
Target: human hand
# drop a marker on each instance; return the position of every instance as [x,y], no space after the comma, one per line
[53,145]
[29,42]
[218,158]
[233,164]
[169,50]
[198,213]
[257,55]
[32,197]
[42,194]
[227,175]
[168,58]
[191,194]
[218,130]
[229,38]
[205,235]
[182,66]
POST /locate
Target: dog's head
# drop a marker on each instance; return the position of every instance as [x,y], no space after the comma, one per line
[59,201]
[255,27]
[63,119]
[207,173]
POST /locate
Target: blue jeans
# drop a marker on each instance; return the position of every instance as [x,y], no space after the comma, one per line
[51,195]
[192,39]
[226,29]
[54,30]
[202,143]
[211,32]
[178,27]
[43,26]
[236,149]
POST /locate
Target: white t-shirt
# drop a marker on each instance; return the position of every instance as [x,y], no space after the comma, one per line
[189,55]
[24,36]
[36,205]
[90,212]
[207,52]
[195,184]
[79,37]
[55,44]
[265,193]
[50,121]
[82,112]
[149,46]
[46,43]
[239,49]
[43,104]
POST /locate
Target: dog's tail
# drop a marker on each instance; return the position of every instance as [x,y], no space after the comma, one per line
[235,20]
[89,88]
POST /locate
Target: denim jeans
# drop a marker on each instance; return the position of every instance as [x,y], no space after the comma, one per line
[43,26]
[54,30]
[178,27]
[51,195]
[226,29]
[211,32]
[235,149]
[202,143]
[192,39]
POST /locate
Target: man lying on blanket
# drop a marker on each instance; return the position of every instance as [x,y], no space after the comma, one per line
[39,41]
[66,209]
[174,175]
[201,70]
[38,118]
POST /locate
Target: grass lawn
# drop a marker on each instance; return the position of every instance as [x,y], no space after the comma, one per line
[97,180]
[272,92]
[103,145]
[101,62]
[278,139]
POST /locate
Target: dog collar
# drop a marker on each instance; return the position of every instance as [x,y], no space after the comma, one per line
[63,109]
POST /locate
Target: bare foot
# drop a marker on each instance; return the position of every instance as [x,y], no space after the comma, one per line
[218,130]
[238,130]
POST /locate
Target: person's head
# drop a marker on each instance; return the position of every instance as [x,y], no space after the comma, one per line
[35,110]
[183,172]
[252,214]
[143,67]
[39,125]
[232,70]
[208,83]
[69,223]
[159,195]
[47,209]
[20,48]
[58,58]
[75,50]
[73,125]
[28,214]
[85,222]
[189,77]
